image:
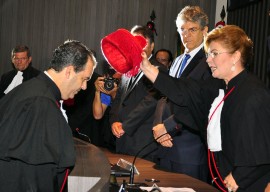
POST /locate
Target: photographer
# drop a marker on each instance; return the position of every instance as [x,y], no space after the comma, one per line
[106,89]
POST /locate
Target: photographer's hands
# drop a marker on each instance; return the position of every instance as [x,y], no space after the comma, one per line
[99,85]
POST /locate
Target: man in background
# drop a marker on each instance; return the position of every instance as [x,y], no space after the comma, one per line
[21,59]
[164,56]
[36,143]
[188,154]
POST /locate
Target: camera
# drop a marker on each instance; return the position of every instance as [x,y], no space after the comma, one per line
[109,83]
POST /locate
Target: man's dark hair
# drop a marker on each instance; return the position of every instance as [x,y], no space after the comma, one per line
[144,31]
[71,53]
[20,48]
[165,50]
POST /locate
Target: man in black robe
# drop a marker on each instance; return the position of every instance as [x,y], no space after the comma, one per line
[21,59]
[36,144]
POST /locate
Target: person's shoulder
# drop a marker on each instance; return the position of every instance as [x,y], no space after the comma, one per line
[30,90]
[33,70]
[200,58]
[255,92]
[8,73]
[200,54]
[253,82]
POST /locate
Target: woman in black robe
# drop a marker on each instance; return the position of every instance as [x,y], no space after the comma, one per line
[232,111]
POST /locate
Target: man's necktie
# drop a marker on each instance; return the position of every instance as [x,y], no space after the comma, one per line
[183,64]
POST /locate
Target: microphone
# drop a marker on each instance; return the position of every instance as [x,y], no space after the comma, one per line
[82,136]
[131,178]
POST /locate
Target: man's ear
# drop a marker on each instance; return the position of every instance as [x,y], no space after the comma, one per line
[30,59]
[205,30]
[68,71]
[152,46]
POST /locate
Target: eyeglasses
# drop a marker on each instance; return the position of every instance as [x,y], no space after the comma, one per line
[20,59]
[214,54]
[186,31]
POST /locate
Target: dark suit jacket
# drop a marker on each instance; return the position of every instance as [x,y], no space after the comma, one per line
[6,78]
[188,146]
[135,111]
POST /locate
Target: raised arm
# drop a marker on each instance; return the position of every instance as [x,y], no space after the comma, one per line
[150,71]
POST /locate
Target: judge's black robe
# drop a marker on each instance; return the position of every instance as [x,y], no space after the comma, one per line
[7,77]
[36,144]
[245,121]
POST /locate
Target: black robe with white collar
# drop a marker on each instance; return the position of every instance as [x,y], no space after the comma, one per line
[245,120]
[36,144]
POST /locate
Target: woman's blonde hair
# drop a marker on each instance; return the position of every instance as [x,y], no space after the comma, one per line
[232,38]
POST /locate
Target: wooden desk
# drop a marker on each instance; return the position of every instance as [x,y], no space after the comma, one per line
[167,179]
[93,162]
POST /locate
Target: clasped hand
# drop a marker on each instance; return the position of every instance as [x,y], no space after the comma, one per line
[117,129]
[165,140]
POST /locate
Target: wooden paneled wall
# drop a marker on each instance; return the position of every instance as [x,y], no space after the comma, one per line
[255,20]
[45,24]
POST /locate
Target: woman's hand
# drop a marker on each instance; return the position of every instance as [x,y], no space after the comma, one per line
[145,62]
[230,183]
[99,85]
[148,69]
[112,92]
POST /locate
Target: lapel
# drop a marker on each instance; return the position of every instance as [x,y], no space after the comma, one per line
[139,76]
[193,63]
[176,66]
[134,82]
[125,82]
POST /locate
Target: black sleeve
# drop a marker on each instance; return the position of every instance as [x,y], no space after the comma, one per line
[245,176]
[189,95]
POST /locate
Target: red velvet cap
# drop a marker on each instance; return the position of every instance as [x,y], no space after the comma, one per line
[123,51]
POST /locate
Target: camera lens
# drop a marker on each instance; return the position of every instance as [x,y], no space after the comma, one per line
[109,84]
